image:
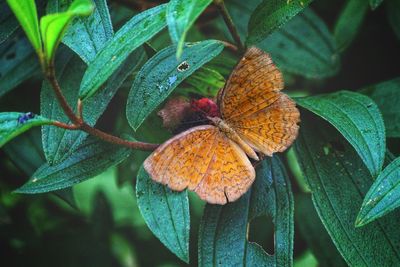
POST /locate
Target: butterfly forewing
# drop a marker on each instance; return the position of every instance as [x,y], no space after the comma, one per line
[204,160]
[253,85]
[252,104]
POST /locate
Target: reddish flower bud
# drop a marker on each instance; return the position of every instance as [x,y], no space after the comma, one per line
[174,112]
[206,106]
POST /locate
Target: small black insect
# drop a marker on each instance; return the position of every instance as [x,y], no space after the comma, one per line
[183,66]
[25,117]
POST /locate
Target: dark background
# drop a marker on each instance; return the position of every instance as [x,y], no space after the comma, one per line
[104,227]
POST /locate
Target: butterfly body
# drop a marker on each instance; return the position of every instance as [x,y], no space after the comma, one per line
[254,115]
[232,134]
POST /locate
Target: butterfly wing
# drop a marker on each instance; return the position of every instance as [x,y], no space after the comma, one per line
[272,129]
[204,160]
[252,104]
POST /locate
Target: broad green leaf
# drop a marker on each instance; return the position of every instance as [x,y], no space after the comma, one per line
[358,119]
[383,196]
[26,13]
[387,96]
[224,229]
[91,158]
[132,35]
[303,46]
[18,62]
[53,26]
[13,124]
[26,153]
[349,22]
[271,15]
[339,181]
[375,3]
[181,15]
[393,14]
[88,35]
[314,233]
[59,143]
[205,82]
[166,212]
[162,74]
[224,64]
[8,23]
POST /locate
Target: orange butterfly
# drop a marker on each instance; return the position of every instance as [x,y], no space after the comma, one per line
[211,159]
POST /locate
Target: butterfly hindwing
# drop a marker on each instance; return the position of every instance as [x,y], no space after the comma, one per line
[204,160]
[272,129]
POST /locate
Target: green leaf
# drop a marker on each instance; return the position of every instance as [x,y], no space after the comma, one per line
[393,14]
[8,23]
[132,35]
[162,74]
[88,35]
[271,15]
[358,119]
[375,3]
[303,46]
[26,13]
[339,181]
[166,212]
[383,196]
[181,15]
[387,96]
[18,62]
[13,124]
[26,151]
[59,143]
[349,23]
[314,233]
[53,26]
[90,159]
[205,82]
[224,229]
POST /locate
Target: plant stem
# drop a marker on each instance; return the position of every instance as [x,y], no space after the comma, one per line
[229,23]
[230,46]
[51,77]
[79,124]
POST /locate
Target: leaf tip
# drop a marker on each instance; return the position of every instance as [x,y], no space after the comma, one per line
[360,221]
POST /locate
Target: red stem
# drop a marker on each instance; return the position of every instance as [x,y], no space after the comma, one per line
[79,124]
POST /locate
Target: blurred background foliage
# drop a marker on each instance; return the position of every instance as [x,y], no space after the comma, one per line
[97,222]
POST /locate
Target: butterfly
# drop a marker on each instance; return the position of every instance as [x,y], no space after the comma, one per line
[212,160]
